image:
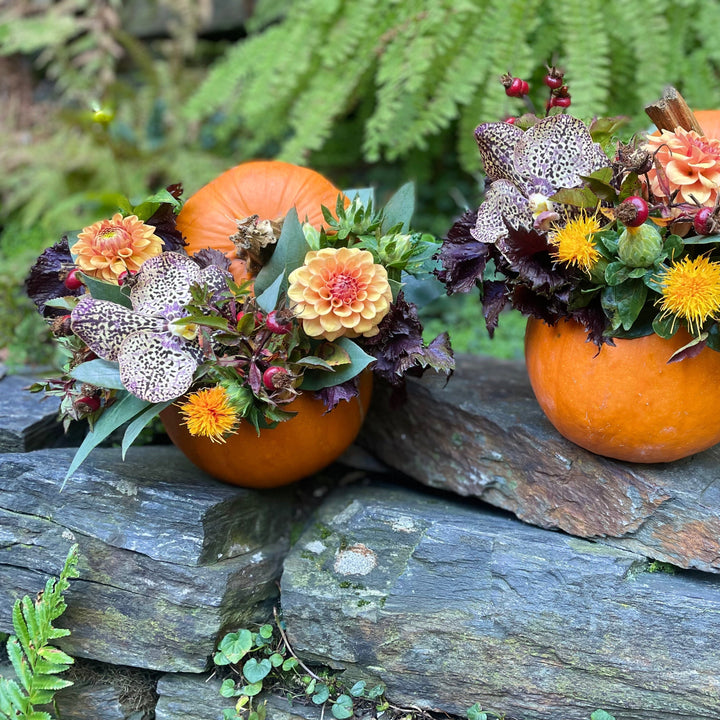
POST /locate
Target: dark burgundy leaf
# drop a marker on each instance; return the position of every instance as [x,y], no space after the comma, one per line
[494,299]
[398,347]
[46,278]
[211,256]
[163,220]
[331,396]
[462,257]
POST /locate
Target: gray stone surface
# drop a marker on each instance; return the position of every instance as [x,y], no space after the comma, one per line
[450,603]
[484,435]
[197,697]
[27,420]
[168,556]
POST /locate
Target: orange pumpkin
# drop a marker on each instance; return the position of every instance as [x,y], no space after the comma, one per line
[625,402]
[291,450]
[267,188]
[709,121]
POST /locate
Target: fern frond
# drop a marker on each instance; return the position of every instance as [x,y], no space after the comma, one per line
[585,54]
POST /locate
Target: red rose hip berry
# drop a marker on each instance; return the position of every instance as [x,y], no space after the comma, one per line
[701,222]
[269,376]
[72,280]
[633,211]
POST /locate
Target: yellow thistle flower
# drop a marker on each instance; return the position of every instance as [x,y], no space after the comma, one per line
[574,243]
[209,413]
[107,248]
[691,291]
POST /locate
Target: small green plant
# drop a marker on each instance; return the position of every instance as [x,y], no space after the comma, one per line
[264,660]
[477,713]
[601,715]
[35,661]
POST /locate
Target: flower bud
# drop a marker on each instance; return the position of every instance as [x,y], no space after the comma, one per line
[640,246]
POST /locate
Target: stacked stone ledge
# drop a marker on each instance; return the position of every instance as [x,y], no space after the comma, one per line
[415,583]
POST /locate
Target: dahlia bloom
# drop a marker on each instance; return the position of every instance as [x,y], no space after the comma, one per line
[107,248]
[691,163]
[340,292]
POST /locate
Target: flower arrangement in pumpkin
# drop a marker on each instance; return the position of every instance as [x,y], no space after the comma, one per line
[155,306]
[623,237]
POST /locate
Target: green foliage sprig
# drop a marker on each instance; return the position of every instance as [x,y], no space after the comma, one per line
[35,661]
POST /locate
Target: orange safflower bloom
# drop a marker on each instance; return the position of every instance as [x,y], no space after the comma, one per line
[109,247]
[209,413]
[340,292]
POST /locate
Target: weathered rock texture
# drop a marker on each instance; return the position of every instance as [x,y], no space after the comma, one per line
[451,604]
[197,697]
[168,556]
[483,435]
[27,420]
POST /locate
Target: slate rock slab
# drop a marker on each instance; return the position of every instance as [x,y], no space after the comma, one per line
[28,421]
[168,556]
[197,697]
[483,435]
[450,603]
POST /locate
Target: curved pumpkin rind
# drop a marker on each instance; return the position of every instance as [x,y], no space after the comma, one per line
[267,188]
[625,402]
[709,121]
[293,449]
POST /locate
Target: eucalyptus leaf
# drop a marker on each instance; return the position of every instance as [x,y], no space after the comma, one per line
[137,425]
[359,360]
[61,303]
[125,408]
[366,195]
[101,373]
[269,298]
[289,254]
[399,208]
[105,291]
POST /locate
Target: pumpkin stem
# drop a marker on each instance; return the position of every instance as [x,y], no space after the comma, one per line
[671,111]
[255,241]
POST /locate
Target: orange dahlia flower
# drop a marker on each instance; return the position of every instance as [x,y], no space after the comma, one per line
[340,292]
[109,247]
[691,163]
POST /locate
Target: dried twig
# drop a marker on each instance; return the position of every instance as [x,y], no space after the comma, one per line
[289,647]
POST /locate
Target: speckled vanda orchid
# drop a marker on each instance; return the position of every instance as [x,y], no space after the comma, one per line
[526,167]
[157,356]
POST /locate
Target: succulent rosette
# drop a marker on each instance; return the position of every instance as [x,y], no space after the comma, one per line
[577,221]
[145,324]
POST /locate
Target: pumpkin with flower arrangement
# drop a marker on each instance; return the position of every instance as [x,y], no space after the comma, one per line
[612,249]
[155,313]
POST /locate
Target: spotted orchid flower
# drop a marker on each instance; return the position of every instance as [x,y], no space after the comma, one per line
[526,167]
[157,356]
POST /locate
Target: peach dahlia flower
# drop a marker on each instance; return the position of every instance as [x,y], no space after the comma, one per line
[691,163]
[109,247]
[340,292]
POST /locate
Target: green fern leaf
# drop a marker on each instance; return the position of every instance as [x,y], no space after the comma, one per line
[19,663]
[20,626]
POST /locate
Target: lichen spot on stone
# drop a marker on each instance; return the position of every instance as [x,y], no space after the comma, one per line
[404,524]
[316,547]
[355,560]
